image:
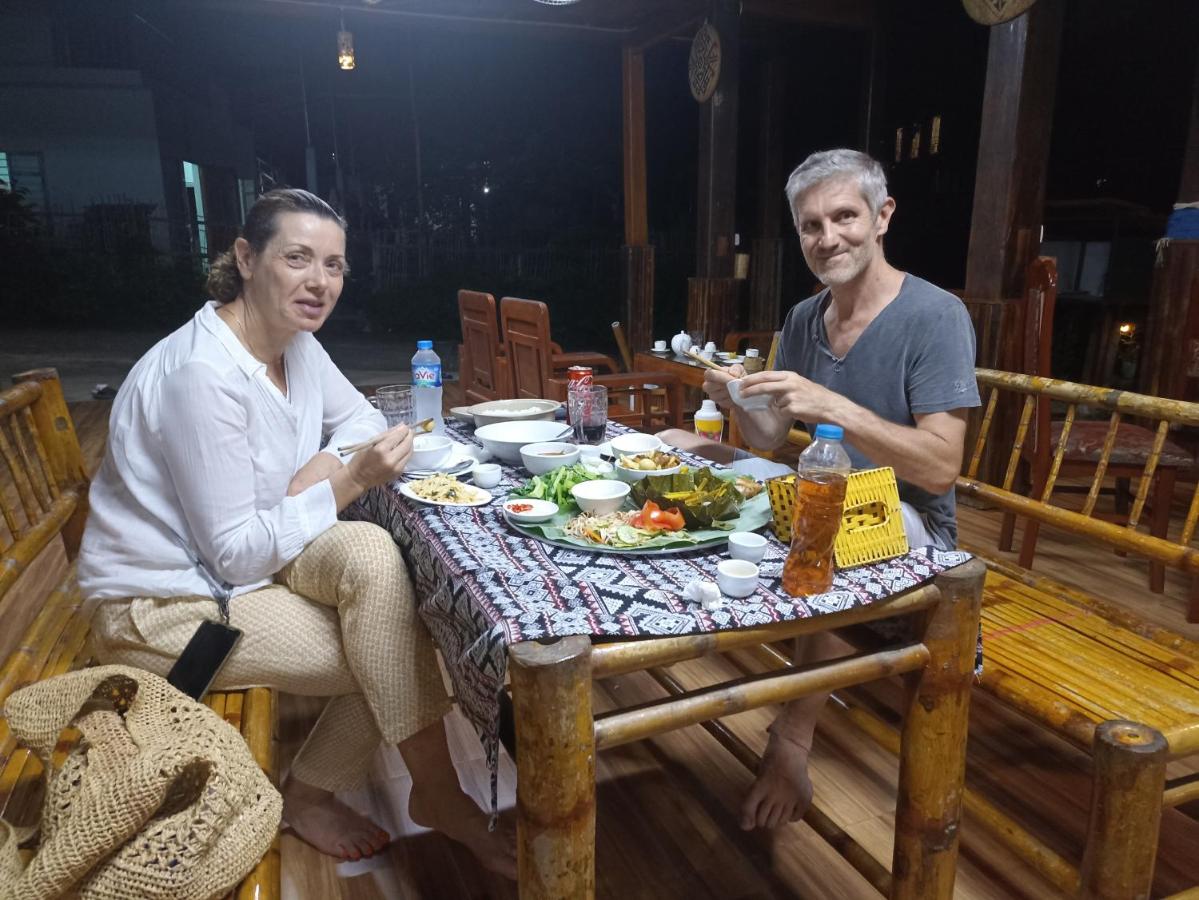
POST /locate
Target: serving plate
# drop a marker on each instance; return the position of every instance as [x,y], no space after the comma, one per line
[755,513]
[483,500]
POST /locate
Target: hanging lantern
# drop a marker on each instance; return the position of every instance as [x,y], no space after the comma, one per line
[345,48]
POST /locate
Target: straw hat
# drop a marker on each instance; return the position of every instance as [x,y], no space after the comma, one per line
[160,799]
[992,12]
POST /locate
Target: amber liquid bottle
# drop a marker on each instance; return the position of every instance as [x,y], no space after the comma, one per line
[819,499]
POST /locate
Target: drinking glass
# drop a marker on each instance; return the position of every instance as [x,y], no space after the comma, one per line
[588,408]
[395,402]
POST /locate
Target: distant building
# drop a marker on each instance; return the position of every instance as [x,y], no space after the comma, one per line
[101,129]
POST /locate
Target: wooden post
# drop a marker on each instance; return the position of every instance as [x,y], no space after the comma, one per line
[637,254]
[932,756]
[766,259]
[555,764]
[1013,151]
[1126,810]
[712,294]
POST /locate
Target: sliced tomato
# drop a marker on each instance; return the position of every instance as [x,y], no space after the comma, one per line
[652,518]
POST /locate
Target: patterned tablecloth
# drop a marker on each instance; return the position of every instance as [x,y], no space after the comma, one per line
[483,586]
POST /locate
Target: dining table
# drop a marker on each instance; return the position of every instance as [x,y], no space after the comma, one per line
[506,608]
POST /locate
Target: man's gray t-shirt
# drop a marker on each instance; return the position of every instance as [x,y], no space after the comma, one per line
[916,357]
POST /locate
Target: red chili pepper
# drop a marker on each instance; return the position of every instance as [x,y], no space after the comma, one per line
[520,507]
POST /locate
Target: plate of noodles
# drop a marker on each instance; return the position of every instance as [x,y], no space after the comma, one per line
[444,490]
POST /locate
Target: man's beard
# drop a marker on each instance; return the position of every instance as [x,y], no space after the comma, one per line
[838,275]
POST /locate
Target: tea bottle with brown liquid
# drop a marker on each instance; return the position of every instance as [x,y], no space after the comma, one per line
[819,497]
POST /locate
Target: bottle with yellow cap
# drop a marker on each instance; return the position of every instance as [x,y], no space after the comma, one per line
[709,421]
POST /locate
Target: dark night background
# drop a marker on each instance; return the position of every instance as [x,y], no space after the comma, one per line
[536,123]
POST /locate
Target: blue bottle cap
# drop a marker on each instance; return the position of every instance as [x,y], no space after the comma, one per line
[424,345]
[830,432]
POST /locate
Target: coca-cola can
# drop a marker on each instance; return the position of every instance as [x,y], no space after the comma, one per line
[576,377]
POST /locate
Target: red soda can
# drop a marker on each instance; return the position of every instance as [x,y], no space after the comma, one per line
[576,377]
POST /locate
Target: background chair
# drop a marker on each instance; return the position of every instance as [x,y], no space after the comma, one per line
[1081,448]
[644,400]
[483,364]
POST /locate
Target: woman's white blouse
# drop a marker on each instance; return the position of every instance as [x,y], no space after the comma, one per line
[201,449]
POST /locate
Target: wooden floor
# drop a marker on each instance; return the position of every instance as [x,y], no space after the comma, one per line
[667,808]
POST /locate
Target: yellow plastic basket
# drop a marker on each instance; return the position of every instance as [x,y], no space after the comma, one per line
[871,523]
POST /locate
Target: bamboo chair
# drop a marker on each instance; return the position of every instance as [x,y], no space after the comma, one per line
[483,363]
[622,344]
[1088,448]
[646,400]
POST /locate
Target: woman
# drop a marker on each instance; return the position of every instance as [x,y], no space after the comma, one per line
[218,490]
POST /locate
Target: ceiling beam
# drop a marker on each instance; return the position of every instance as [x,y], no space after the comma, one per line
[847,13]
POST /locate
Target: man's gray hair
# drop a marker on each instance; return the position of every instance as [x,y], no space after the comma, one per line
[827,164]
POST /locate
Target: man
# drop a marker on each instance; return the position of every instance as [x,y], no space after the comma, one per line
[889,358]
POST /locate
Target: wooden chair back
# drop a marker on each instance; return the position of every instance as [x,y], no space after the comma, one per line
[43,487]
[526,331]
[737,341]
[483,366]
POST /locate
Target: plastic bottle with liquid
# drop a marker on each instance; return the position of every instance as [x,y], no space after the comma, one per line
[819,498]
[426,386]
[709,421]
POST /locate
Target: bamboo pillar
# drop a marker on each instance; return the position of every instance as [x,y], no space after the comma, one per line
[932,758]
[637,255]
[766,260]
[555,764]
[1126,810]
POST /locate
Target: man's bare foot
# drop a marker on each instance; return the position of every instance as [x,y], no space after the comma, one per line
[323,821]
[782,791]
[445,807]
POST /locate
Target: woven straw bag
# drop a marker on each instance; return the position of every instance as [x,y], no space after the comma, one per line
[159,799]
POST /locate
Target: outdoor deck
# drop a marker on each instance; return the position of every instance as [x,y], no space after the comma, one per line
[667,822]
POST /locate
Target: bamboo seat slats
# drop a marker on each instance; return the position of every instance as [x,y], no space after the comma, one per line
[43,499]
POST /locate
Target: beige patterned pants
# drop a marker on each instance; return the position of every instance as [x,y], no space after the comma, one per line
[340,622]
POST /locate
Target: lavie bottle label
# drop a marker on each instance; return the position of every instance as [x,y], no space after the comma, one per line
[426,375]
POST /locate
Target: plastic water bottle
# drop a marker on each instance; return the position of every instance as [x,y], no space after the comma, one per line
[426,385]
[819,498]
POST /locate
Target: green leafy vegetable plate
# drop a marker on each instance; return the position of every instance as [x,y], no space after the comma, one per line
[754,513]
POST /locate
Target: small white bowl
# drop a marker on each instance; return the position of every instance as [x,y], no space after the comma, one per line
[547,456]
[747,546]
[600,497]
[538,510]
[487,475]
[736,577]
[634,443]
[504,439]
[758,401]
[624,473]
[430,451]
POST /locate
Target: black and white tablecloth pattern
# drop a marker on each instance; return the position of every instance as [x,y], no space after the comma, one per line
[482,586]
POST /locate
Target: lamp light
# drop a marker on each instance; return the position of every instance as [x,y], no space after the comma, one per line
[345,47]
[1127,329]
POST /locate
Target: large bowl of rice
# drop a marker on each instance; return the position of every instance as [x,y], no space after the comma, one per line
[521,410]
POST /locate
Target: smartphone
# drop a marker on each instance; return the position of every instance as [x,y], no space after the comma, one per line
[203,657]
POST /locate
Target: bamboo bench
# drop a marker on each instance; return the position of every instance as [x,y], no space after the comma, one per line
[43,621]
[1076,665]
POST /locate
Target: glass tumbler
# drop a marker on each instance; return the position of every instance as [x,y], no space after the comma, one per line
[395,402]
[588,408]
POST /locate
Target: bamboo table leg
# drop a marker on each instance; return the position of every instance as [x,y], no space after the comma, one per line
[932,758]
[555,769]
[1126,811]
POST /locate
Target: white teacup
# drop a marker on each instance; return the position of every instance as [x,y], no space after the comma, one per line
[736,577]
[747,546]
[659,345]
[486,475]
[710,347]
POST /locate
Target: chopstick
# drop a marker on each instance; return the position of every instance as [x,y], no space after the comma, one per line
[423,425]
[703,361]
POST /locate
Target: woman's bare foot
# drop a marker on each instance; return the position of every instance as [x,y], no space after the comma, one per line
[323,821]
[445,807]
[782,791]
